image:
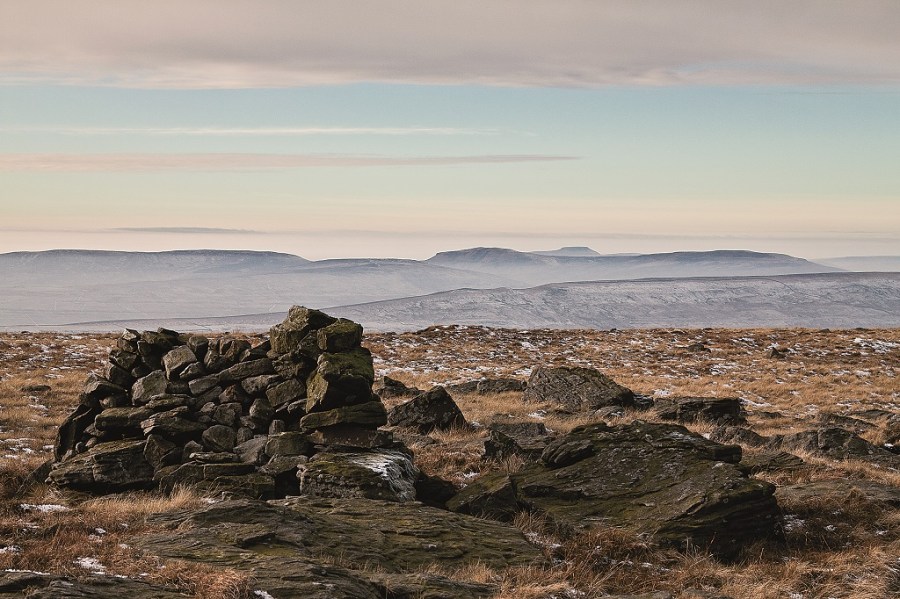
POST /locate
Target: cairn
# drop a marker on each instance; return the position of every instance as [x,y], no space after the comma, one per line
[171,409]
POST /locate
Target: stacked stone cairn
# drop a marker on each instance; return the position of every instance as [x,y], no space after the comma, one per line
[292,415]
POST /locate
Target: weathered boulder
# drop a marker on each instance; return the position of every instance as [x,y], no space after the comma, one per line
[340,379]
[771,461]
[146,387]
[388,388]
[499,385]
[339,336]
[378,474]
[836,444]
[366,415]
[433,410]
[575,389]
[656,478]
[383,535]
[721,410]
[39,585]
[525,439]
[737,435]
[105,468]
[176,360]
[121,420]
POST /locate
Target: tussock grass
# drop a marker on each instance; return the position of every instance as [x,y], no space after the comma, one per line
[846,547]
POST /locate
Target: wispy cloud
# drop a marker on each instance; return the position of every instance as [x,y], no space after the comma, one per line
[76,163]
[186,230]
[249,131]
[278,43]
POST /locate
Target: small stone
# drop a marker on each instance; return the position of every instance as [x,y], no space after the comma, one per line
[291,443]
[97,388]
[189,448]
[277,426]
[121,419]
[252,451]
[257,385]
[159,452]
[117,376]
[227,414]
[340,336]
[367,415]
[219,438]
[176,360]
[198,344]
[244,370]
[244,434]
[289,390]
[144,388]
[192,371]
[261,410]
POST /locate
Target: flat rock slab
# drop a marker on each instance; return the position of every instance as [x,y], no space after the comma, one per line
[843,488]
[388,537]
[15,585]
[657,478]
[576,389]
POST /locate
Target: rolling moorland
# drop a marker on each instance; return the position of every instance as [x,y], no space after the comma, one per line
[840,504]
[214,290]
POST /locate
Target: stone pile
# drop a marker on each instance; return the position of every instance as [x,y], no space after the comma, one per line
[293,414]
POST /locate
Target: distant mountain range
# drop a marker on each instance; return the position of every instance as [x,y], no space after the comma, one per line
[60,287]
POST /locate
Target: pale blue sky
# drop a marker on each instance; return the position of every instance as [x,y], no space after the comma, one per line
[796,151]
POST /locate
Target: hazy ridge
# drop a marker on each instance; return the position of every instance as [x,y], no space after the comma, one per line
[495,286]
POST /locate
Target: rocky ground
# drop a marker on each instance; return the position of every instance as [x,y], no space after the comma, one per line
[813,411]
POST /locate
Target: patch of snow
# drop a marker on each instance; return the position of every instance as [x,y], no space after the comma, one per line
[90,563]
[263,595]
[44,508]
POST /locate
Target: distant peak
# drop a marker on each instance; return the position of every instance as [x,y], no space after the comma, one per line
[569,252]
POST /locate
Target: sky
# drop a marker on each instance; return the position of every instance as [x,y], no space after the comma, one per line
[399,129]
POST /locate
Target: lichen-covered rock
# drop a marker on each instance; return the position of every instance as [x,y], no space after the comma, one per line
[433,410]
[105,468]
[176,360]
[575,389]
[525,439]
[340,336]
[340,379]
[385,536]
[721,410]
[287,336]
[366,415]
[121,420]
[655,478]
[287,444]
[378,474]
[388,388]
[219,437]
[837,444]
[146,387]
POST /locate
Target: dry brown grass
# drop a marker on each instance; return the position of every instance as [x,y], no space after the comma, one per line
[846,547]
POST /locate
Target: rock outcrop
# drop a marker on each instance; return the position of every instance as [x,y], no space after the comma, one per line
[295,413]
[656,478]
[719,410]
[285,542]
[576,389]
[429,411]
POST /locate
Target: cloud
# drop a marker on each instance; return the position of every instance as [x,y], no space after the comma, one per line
[88,163]
[186,230]
[277,43]
[250,131]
